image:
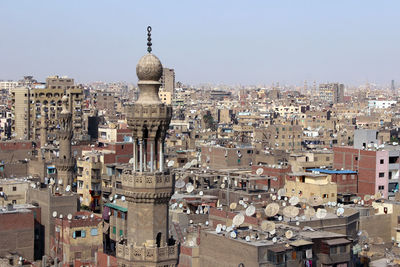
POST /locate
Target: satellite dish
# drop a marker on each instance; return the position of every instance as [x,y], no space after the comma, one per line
[372,197]
[194,162]
[272,209]
[294,201]
[224,227]
[289,234]
[248,238]
[180,183]
[201,193]
[309,212]
[273,197]
[188,211]
[250,210]
[229,228]
[321,213]
[180,205]
[274,239]
[131,161]
[222,185]
[283,204]
[68,188]
[233,235]
[123,198]
[333,204]
[60,181]
[340,211]
[259,171]
[170,163]
[238,219]
[233,205]
[290,211]
[61,216]
[54,214]
[241,202]
[267,226]
[187,165]
[69,216]
[272,232]
[218,228]
[206,222]
[189,187]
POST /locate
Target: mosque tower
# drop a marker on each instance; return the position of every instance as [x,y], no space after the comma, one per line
[147,185]
[43,132]
[65,163]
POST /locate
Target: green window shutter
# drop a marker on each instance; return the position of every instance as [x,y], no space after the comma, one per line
[73,235]
[83,233]
[121,232]
[114,230]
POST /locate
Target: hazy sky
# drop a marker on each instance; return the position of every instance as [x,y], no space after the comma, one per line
[217,41]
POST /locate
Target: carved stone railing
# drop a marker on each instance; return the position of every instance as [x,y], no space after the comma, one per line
[150,254]
[137,180]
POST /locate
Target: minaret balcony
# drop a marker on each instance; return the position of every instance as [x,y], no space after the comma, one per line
[133,253]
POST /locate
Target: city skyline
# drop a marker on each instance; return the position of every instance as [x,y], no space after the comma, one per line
[231,44]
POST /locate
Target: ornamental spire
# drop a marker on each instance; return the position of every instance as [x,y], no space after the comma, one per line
[149,39]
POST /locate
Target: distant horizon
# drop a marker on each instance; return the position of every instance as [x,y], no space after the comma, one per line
[224,42]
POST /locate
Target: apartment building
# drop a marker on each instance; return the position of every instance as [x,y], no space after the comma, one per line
[331,92]
[27,100]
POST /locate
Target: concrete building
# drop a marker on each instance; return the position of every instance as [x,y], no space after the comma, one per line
[105,101]
[27,100]
[17,230]
[15,191]
[78,240]
[311,184]
[168,81]
[89,180]
[331,92]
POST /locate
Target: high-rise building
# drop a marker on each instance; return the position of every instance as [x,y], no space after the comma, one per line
[148,186]
[168,80]
[331,92]
[392,87]
[27,100]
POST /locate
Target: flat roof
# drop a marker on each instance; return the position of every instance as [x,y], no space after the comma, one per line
[333,171]
[300,242]
[337,241]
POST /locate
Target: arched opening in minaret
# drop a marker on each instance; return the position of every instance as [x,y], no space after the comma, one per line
[158,239]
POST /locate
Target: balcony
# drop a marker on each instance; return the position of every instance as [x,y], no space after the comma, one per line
[140,254]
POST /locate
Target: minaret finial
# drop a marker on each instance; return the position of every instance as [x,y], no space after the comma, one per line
[149,39]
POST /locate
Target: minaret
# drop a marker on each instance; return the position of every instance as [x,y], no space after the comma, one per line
[147,185]
[65,163]
[43,132]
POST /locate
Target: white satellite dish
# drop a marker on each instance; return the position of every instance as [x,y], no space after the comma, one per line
[333,204]
[194,162]
[267,226]
[280,218]
[309,212]
[60,181]
[180,205]
[321,213]
[188,211]
[294,200]
[272,209]
[131,161]
[187,165]
[272,232]
[281,192]
[189,188]
[283,204]
[180,183]
[170,163]
[222,185]
[273,197]
[224,227]
[274,239]
[201,193]
[54,214]
[289,234]
[241,202]
[250,210]
[123,198]
[69,216]
[259,171]
[291,211]
[248,238]
[68,188]
[340,211]
[207,222]
[61,216]
[233,206]
[218,228]
[233,234]
[238,219]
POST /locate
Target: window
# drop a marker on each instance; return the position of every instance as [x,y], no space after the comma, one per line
[121,232]
[325,196]
[343,249]
[333,194]
[356,158]
[76,234]
[333,250]
[381,187]
[1,188]
[78,255]
[328,158]
[14,201]
[343,177]
[353,176]
[382,161]
[14,188]
[381,174]
[93,232]
[114,230]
